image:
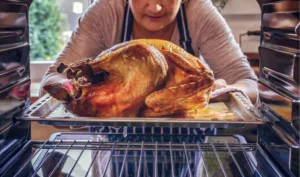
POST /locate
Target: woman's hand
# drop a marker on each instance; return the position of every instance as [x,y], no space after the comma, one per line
[219,83]
[244,85]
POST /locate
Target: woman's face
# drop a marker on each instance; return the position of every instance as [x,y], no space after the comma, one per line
[154,15]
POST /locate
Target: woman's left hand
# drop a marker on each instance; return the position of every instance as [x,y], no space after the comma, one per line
[219,97]
[243,85]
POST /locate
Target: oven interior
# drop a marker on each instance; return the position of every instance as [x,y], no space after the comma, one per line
[256,141]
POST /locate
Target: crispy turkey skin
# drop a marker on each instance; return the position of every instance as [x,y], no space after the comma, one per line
[148,78]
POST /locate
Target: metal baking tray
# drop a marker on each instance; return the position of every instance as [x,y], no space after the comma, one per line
[235,110]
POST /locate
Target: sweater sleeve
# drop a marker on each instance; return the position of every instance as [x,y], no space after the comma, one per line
[219,48]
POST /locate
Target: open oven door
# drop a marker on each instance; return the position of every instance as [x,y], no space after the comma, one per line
[14,79]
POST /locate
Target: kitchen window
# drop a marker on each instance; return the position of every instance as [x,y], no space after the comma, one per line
[51,23]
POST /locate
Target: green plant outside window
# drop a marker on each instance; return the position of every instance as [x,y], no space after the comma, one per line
[46,25]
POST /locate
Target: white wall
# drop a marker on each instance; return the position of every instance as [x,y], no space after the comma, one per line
[243,16]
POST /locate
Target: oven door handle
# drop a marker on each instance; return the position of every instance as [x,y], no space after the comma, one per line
[279,76]
[292,85]
[14,33]
[284,136]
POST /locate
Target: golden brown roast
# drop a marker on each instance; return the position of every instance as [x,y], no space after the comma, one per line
[136,78]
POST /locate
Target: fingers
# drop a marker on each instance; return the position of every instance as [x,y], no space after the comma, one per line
[219,83]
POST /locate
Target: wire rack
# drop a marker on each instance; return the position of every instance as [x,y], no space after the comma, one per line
[144,156]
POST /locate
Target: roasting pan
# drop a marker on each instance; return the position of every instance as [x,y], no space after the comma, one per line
[235,110]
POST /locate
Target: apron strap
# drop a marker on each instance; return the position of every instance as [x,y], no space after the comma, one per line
[185,39]
[127,24]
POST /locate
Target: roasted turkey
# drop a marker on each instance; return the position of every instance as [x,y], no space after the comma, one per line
[137,78]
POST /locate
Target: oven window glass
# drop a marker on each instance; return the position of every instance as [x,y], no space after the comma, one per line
[14,85]
[51,24]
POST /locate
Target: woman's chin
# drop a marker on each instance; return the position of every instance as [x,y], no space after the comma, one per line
[153,26]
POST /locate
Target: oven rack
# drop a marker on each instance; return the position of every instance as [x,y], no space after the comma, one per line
[171,158]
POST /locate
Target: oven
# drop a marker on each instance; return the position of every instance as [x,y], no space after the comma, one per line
[250,141]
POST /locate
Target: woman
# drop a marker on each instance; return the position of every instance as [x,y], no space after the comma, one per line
[195,25]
